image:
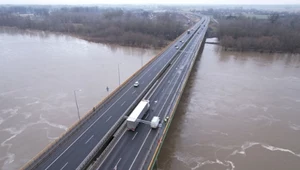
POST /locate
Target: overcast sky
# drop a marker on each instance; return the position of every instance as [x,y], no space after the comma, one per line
[149,1]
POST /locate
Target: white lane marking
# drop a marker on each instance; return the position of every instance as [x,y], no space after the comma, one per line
[164,77]
[89,139]
[177,78]
[108,119]
[153,64]
[133,91]
[84,131]
[139,150]
[116,166]
[119,161]
[158,115]
[150,129]
[134,135]
[112,149]
[123,103]
[169,93]
[64,166]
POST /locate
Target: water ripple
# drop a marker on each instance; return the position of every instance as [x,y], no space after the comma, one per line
[248,145]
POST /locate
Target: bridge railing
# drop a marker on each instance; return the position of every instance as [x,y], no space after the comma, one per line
[35,161]
[151,154]
[105,139]
[94,152]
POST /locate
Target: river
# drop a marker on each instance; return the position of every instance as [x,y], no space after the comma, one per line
[239,111]
[38,75]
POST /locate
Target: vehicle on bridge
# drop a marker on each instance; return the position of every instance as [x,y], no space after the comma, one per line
[136,84]
[136,115]
[155,122]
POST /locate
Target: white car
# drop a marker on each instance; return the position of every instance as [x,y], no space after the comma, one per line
[136,84]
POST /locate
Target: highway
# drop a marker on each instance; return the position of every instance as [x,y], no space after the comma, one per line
[129,151]
[74,150]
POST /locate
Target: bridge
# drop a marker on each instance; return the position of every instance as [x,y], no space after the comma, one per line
[100,140]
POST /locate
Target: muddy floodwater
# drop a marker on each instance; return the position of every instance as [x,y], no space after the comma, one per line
[240,111]
[38,75]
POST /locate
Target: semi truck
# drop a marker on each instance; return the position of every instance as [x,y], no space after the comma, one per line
[136,115]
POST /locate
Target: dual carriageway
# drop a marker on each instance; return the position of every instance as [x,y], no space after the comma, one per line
[162,81]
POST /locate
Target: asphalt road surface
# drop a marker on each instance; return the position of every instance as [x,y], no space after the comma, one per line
[71,153]
[130,150]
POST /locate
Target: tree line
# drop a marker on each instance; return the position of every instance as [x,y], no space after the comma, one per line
[275,34]
[131,28]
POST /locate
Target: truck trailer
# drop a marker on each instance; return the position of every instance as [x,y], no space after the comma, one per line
[136,115]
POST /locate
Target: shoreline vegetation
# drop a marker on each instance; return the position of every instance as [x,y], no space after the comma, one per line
[248,34]
[242,29]
[275,34]
[136,28]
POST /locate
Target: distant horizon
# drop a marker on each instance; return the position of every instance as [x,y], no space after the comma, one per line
[160,4]
[148,2]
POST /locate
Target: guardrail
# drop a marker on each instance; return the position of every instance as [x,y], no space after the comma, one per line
[158,132]
[152,88]
[156,138]
[74,128]
[113,143]
[108,135]
[99,146]
[35,161]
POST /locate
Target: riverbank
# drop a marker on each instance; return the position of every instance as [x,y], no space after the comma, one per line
[32,32]
[39,73]
[135,28]
[275,34]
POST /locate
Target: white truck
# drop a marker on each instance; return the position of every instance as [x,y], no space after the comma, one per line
[154,122]
[136,115]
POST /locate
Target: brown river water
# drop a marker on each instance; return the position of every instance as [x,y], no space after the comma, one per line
[240,111]
[38,75]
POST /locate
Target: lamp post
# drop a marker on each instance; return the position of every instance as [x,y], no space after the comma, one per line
[77,103]
[119,74]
